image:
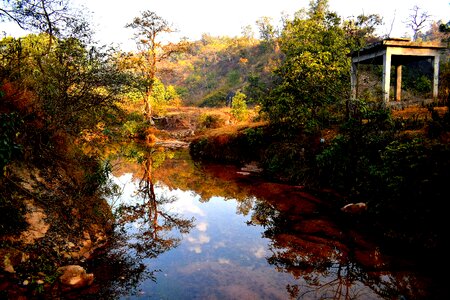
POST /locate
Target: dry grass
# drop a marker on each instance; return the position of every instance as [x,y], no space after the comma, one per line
[417,112]
[192,118]
[230,129]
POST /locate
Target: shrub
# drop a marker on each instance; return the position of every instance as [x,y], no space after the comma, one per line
[210,121]
[239,107]
[9,148]
[134,129]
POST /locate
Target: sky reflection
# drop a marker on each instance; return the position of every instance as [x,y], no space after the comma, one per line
[209,233]
[221,256]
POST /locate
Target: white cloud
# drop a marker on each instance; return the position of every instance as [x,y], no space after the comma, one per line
[202,226]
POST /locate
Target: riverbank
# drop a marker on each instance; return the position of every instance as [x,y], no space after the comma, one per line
[54,215]
[395,162]
[64,218]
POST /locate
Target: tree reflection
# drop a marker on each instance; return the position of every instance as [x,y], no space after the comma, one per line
[328,263]
[155,226]
[144,230]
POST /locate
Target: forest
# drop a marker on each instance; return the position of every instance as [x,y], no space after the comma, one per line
[281,100]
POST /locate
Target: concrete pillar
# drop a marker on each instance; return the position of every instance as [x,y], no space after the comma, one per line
[353,81]
[386,76]
[398,83]
[435,62]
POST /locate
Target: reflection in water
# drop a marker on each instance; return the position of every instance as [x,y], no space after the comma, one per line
[250,240]
[149,217]
[329,262]
[310,248]
[144,230]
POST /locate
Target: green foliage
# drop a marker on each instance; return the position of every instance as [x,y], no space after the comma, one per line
[97,177]
[372,161]
[135,129]
[347,161]
[241,146]
[287,161]
[158,97]
[417,78]
[133,96]
[239,107]
[214,99]
[267,31]
[423,84]
[256,89]
[171,93]
[255,137]
[54,17]
[73,86]
[361,30]
[210,121]
[412,178]
[314,76]
[9,130]
[233,78]
[222,63]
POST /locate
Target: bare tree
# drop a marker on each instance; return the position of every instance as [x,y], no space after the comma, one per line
[417,20]
[148,29]
[54,17]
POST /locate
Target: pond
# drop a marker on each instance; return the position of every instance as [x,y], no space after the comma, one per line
[187,230]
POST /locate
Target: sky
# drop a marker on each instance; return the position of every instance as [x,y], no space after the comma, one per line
[192,18]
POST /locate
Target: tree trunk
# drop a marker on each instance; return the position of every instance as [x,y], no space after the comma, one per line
[148,108]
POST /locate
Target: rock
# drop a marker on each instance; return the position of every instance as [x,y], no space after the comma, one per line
[74,277]
[35,217]
[252,167]
[10,258]
[243,173]
[354,208]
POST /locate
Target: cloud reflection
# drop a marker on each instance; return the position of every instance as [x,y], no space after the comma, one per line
[187,202]
[260,252]
[202,226]
[197,242]
[224,261]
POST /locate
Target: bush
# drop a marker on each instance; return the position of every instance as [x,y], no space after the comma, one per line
[9,148]
[134,129]
[214,99]
[210,121]
[239,107]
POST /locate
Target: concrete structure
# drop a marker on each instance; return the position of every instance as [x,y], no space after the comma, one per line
[396,52]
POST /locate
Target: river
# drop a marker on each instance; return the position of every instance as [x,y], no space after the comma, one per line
[187,230]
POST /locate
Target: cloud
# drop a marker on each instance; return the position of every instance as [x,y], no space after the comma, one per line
[202,226]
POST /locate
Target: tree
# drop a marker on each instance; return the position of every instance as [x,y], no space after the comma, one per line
[360,31]
[148,29]
[53,17]
[266,30]
[444,27]
[417,21]
[314,76]
[71,85]
[247,32]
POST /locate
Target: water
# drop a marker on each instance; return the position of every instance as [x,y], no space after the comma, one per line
[189,231]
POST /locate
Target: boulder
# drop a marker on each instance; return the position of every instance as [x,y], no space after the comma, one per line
[354,208]
[74,277]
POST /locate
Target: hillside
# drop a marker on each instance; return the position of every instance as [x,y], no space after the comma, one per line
[213,67]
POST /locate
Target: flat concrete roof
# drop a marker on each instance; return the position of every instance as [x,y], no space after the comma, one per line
[404,51]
